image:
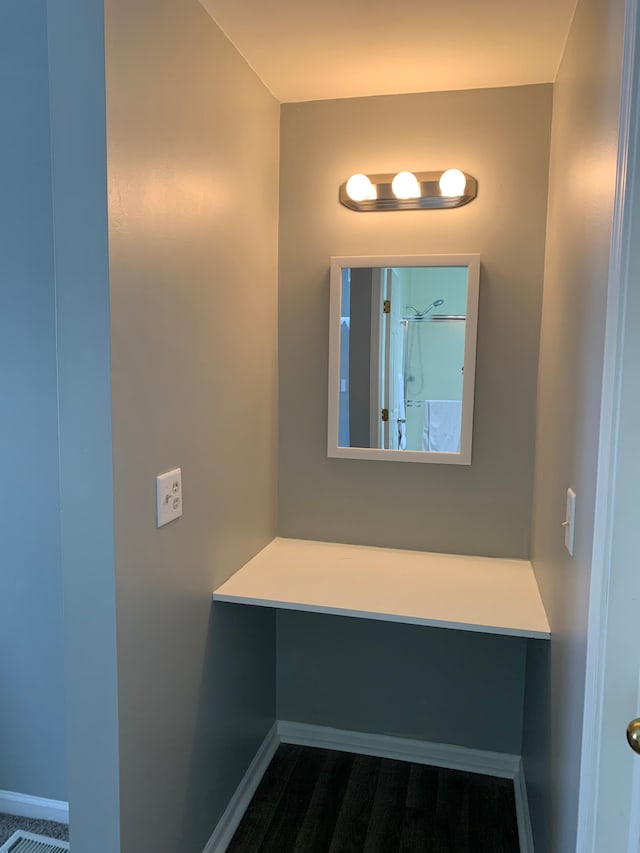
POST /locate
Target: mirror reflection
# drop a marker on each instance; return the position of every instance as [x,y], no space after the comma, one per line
[402,340]
[402,337]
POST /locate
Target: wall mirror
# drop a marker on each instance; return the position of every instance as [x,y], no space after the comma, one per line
[402,351]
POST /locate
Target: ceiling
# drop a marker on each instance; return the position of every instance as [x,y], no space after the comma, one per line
[306,50]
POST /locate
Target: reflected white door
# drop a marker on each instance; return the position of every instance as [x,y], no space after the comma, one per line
[394,357]
[378,429]
[386,358]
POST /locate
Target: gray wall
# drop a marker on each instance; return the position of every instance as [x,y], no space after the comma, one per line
[584,137]
[193,201]
[32,731]
[431,684]
[501,136]
[76,77]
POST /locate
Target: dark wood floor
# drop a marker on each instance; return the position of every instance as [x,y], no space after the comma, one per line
[321,801]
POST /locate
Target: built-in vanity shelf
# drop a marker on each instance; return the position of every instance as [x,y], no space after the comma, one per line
[491,595]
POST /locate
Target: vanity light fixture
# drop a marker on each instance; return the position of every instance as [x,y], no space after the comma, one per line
[408,190]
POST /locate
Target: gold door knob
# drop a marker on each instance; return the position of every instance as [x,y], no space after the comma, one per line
[633,735]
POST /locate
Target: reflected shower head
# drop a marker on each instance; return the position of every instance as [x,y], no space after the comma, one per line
[420,315]
[435,304]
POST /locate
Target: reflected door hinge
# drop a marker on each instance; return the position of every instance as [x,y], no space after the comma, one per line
[386,306]
[385,415]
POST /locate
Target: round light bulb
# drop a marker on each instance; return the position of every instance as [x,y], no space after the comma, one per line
[452,183]
[360,188]
[405,185]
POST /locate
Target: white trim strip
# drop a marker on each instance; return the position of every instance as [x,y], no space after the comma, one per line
[37,808]
[234,812]
[402,749]
[525,830]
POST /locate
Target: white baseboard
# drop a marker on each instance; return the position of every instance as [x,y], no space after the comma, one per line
[525,832]
[500,764]
[234,812]
[403,749]
[504,765]
[36,808]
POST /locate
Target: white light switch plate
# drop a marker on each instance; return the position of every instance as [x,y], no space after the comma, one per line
[570,521]
[168,496]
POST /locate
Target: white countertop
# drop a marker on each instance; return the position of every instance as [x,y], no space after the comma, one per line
[491,595]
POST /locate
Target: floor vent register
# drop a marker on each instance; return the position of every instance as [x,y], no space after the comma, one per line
[26,842]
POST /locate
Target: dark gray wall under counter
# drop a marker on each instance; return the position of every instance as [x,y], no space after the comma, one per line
[432,684]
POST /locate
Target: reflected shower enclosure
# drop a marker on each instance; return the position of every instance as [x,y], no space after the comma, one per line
[403,347]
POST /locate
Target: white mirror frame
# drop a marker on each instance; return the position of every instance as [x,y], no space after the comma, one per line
[334,450]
